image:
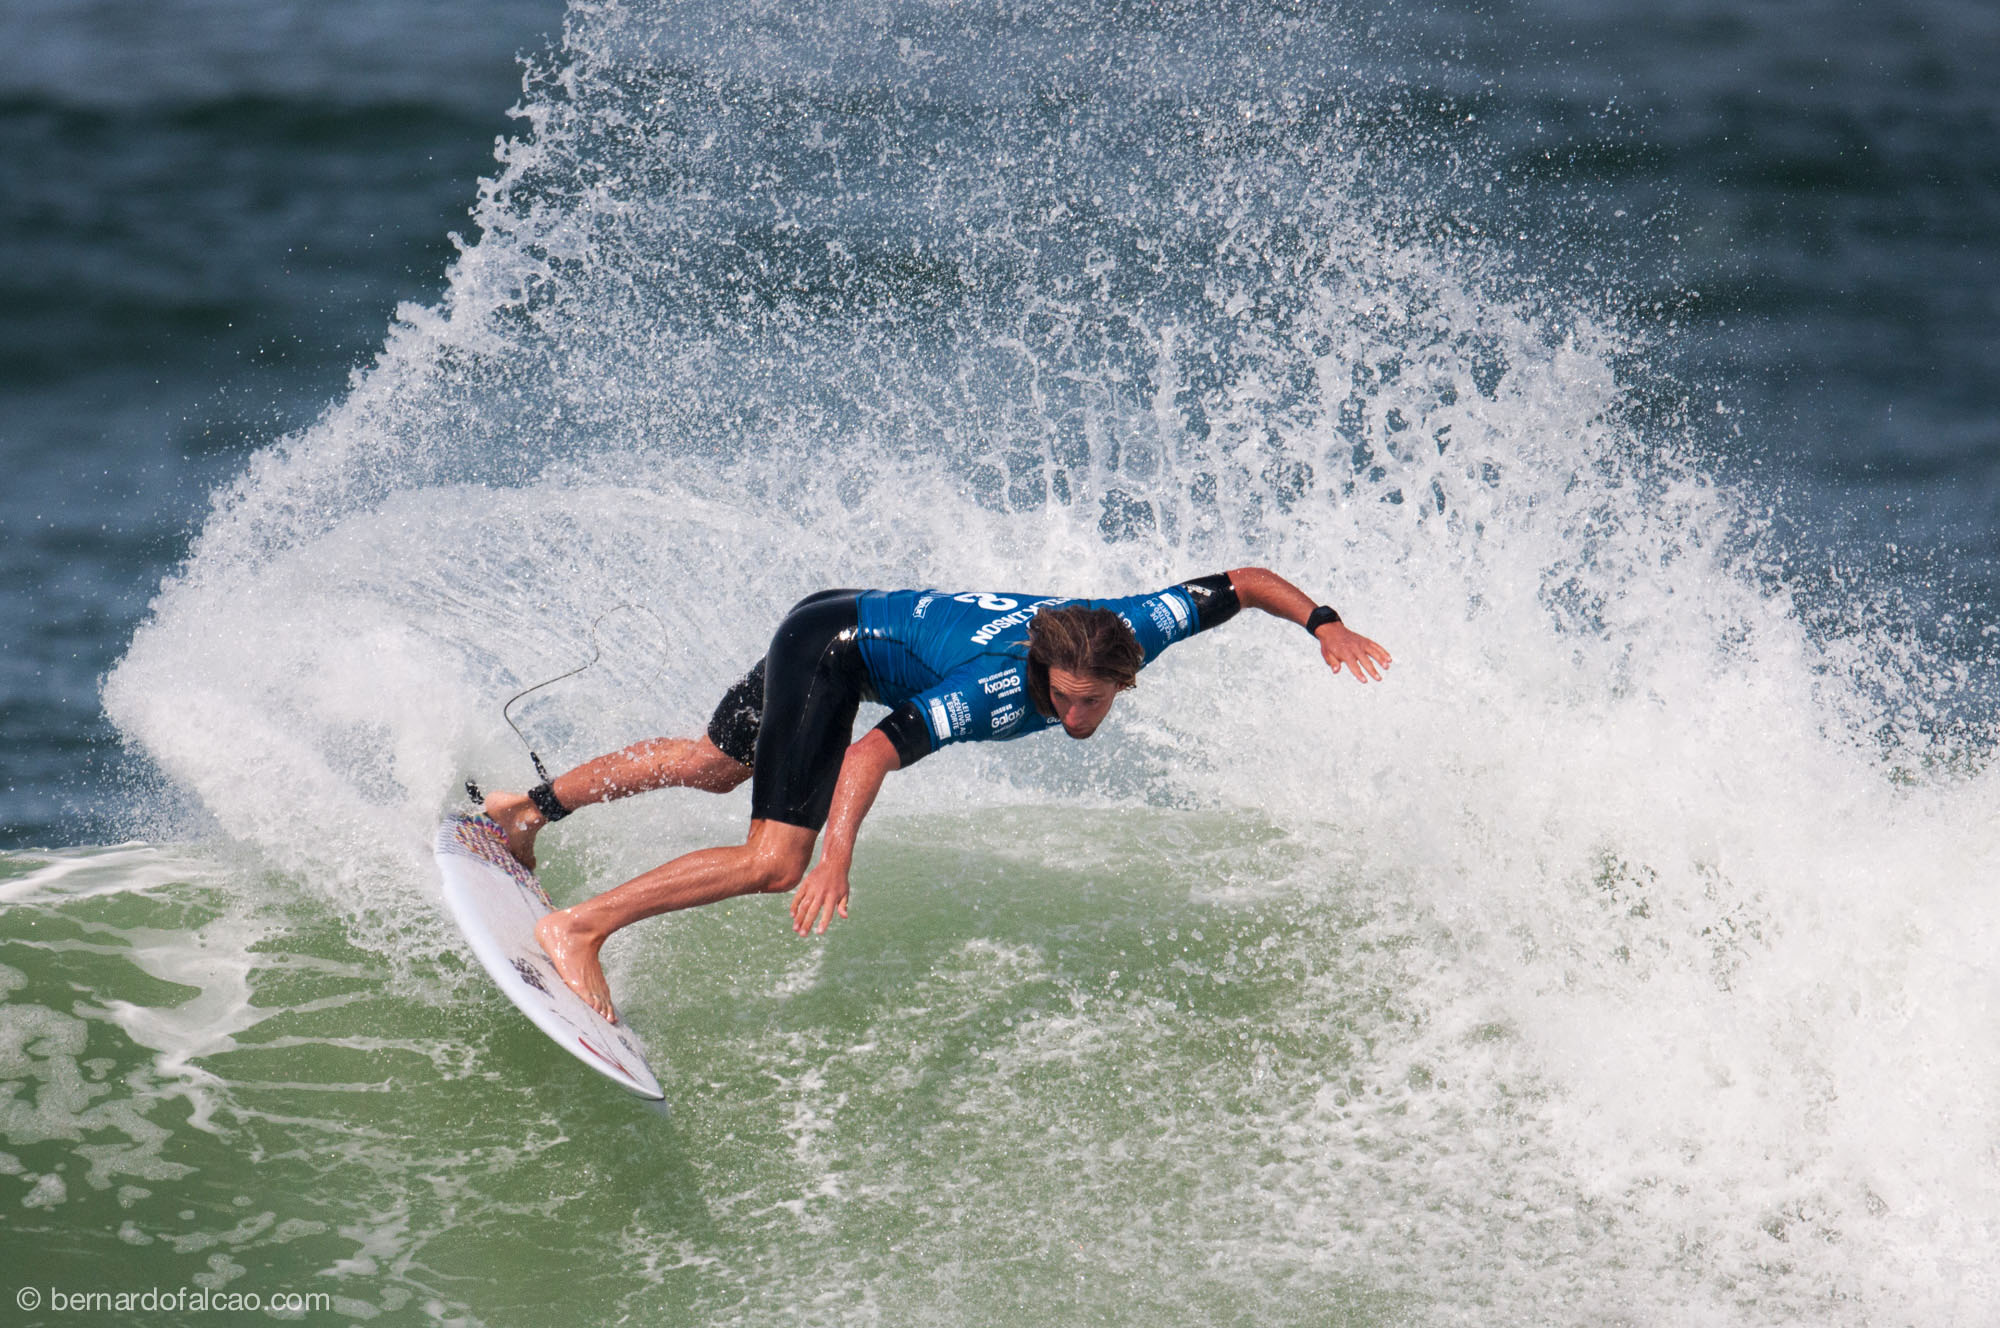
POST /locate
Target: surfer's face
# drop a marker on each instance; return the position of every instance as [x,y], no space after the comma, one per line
[1080,700]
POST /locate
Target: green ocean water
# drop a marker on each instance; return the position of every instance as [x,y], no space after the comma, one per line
[1001,1093]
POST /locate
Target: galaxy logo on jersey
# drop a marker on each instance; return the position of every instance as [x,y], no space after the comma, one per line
[1005,683]
[1006,717]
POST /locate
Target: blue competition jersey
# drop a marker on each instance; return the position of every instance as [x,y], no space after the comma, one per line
[962,659]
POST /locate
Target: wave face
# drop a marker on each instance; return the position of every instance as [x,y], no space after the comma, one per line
[1624,957]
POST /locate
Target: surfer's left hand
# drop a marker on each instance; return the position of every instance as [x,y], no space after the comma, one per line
[822,894]
[1361,657]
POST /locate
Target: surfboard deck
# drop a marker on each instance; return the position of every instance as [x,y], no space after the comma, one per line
[496,902]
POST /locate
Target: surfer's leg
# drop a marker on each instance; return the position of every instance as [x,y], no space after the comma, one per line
[655,763]
[800,726]
[772,859]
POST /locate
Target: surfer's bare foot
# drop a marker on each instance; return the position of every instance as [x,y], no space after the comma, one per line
[520,820]
[573,950]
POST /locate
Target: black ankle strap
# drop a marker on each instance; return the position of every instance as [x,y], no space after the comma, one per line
[544,798]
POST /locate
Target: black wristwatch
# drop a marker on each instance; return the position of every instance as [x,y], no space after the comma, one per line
[1319,618]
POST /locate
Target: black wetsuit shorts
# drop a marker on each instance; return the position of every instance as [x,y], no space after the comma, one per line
[791,718]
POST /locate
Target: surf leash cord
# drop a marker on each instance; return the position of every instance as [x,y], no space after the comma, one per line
[542,794]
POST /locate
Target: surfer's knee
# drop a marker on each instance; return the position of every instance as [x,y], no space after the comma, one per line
[779,854]
[776,879]
[780,875]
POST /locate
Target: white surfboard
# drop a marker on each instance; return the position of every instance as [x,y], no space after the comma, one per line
[496,903]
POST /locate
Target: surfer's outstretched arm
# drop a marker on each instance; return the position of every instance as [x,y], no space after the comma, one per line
[824,890]
[1261,588]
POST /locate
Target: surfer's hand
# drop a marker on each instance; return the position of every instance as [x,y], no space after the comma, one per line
[1338,647]
[822,894]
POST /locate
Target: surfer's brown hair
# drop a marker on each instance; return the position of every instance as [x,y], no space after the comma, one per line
[1078,639]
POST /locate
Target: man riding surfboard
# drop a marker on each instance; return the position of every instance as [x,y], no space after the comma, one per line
[967,667]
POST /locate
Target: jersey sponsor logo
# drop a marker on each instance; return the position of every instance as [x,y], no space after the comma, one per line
[1007,682]
[1007,716]
[1170,616]
[990,603]
[951,715]
[923,605]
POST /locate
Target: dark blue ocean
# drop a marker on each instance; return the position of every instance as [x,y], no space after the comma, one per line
[1631,371]
[211,210]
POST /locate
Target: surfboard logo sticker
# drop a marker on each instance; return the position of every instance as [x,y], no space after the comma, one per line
[525,969]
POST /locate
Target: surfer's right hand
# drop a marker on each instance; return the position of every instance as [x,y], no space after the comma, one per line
[1340,647]
[822,894]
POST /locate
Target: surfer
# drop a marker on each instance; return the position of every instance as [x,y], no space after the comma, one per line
[973,667]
